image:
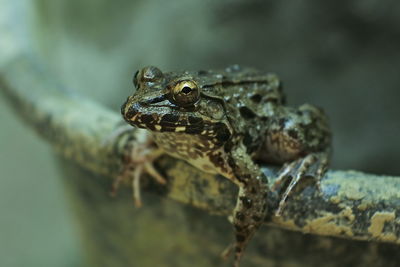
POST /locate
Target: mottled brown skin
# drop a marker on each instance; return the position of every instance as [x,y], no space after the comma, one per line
[223,122]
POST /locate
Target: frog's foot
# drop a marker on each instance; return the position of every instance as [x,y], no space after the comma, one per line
[138,157]
[311,166]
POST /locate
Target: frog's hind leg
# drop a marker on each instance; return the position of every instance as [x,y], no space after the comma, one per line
[312,166]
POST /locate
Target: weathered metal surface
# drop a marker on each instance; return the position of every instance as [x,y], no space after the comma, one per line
[351,204]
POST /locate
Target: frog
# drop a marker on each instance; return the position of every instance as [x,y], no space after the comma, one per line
[228,122]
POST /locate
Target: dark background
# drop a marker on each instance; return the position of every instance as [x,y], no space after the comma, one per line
[342,56]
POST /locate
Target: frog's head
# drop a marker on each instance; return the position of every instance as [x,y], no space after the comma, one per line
[173,102]
[299,131]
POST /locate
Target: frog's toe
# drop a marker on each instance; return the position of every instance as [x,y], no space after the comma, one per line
[298,172]
[151,170]
[227,251]
[138,157]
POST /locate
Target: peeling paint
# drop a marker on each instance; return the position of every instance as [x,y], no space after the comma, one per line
[335,199]
[363,206]
[288,224]
[348,214]
[378,221]
[328,225]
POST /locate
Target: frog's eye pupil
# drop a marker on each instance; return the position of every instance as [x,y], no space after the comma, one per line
[184,93]
[186,90]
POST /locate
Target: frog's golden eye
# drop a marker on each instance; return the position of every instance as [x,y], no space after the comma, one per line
[185,93]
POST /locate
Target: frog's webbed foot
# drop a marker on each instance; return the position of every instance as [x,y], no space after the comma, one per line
[313,166]
[138,156]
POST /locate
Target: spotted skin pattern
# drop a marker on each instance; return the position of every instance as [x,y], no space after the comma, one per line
[222,122]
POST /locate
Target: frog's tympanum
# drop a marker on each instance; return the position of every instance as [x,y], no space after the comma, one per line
[224,122]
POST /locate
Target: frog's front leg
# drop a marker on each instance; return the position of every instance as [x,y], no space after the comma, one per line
[251,205]
[138,155]
[313,165]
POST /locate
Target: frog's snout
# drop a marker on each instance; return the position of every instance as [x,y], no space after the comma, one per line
[129,111]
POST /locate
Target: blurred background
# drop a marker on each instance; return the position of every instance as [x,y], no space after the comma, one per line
[342,57]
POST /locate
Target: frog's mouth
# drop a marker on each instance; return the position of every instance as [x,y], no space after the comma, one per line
[165,118]
[162,118]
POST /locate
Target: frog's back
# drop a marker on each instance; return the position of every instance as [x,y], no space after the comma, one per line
[248,94]
[250,98]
